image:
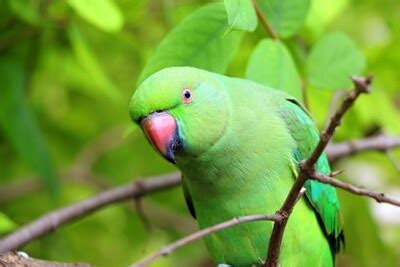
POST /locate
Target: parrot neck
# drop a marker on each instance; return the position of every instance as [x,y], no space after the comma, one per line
[231,171]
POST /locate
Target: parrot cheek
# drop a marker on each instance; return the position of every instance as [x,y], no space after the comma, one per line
[162,131]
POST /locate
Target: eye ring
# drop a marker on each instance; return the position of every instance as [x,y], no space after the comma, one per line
[187,96]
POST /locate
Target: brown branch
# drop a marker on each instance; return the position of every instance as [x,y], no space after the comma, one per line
[53,220]
[335,151]
[377,143]
[165,251]
[18,259]
[361,85]
[165,219]
[379,197]
[264,22]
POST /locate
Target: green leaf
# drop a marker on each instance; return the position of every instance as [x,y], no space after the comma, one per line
[104,14]
[6,224]
[271,64]
[332,61]
[18,123]
[241,15]
[88,62]
[26,10]
[196,42]
[285,16]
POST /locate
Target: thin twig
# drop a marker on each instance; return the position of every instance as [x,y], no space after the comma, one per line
[361,85]
[379,197]
[379,142]
[53,220]
[165,251]
[264,22]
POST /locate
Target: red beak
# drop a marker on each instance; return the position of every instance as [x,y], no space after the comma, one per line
[162,131]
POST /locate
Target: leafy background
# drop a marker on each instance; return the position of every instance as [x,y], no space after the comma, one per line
[68,70]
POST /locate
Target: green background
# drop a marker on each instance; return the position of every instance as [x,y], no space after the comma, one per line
[67,72]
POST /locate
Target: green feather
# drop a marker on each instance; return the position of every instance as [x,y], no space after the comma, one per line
[321,196]
[241,144]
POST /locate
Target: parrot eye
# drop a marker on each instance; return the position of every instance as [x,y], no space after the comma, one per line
[187,96]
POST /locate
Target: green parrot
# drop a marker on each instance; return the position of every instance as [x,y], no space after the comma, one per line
[238,145]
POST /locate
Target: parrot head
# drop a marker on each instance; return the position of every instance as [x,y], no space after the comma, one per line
[182,111]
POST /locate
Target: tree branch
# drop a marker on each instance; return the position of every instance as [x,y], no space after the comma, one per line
[361,85]
[379,197]
[53,220]
[277,218]
[379,142]
[335,152]
[264,22]
[17,259]
[165,251]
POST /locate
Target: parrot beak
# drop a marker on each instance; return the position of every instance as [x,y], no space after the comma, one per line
[162,131]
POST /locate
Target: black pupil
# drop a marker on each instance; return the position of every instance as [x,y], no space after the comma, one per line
[187,94]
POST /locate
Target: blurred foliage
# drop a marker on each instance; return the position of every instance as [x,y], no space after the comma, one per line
[285,16]
[68,70]
[271,64]
[241,15]
[333,71]
[206,50]
[6,225]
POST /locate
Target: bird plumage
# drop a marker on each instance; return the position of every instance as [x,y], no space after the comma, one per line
[241,145]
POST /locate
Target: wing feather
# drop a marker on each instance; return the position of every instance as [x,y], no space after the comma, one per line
[322,197]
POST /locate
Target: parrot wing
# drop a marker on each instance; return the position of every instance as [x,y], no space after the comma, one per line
[321,196]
